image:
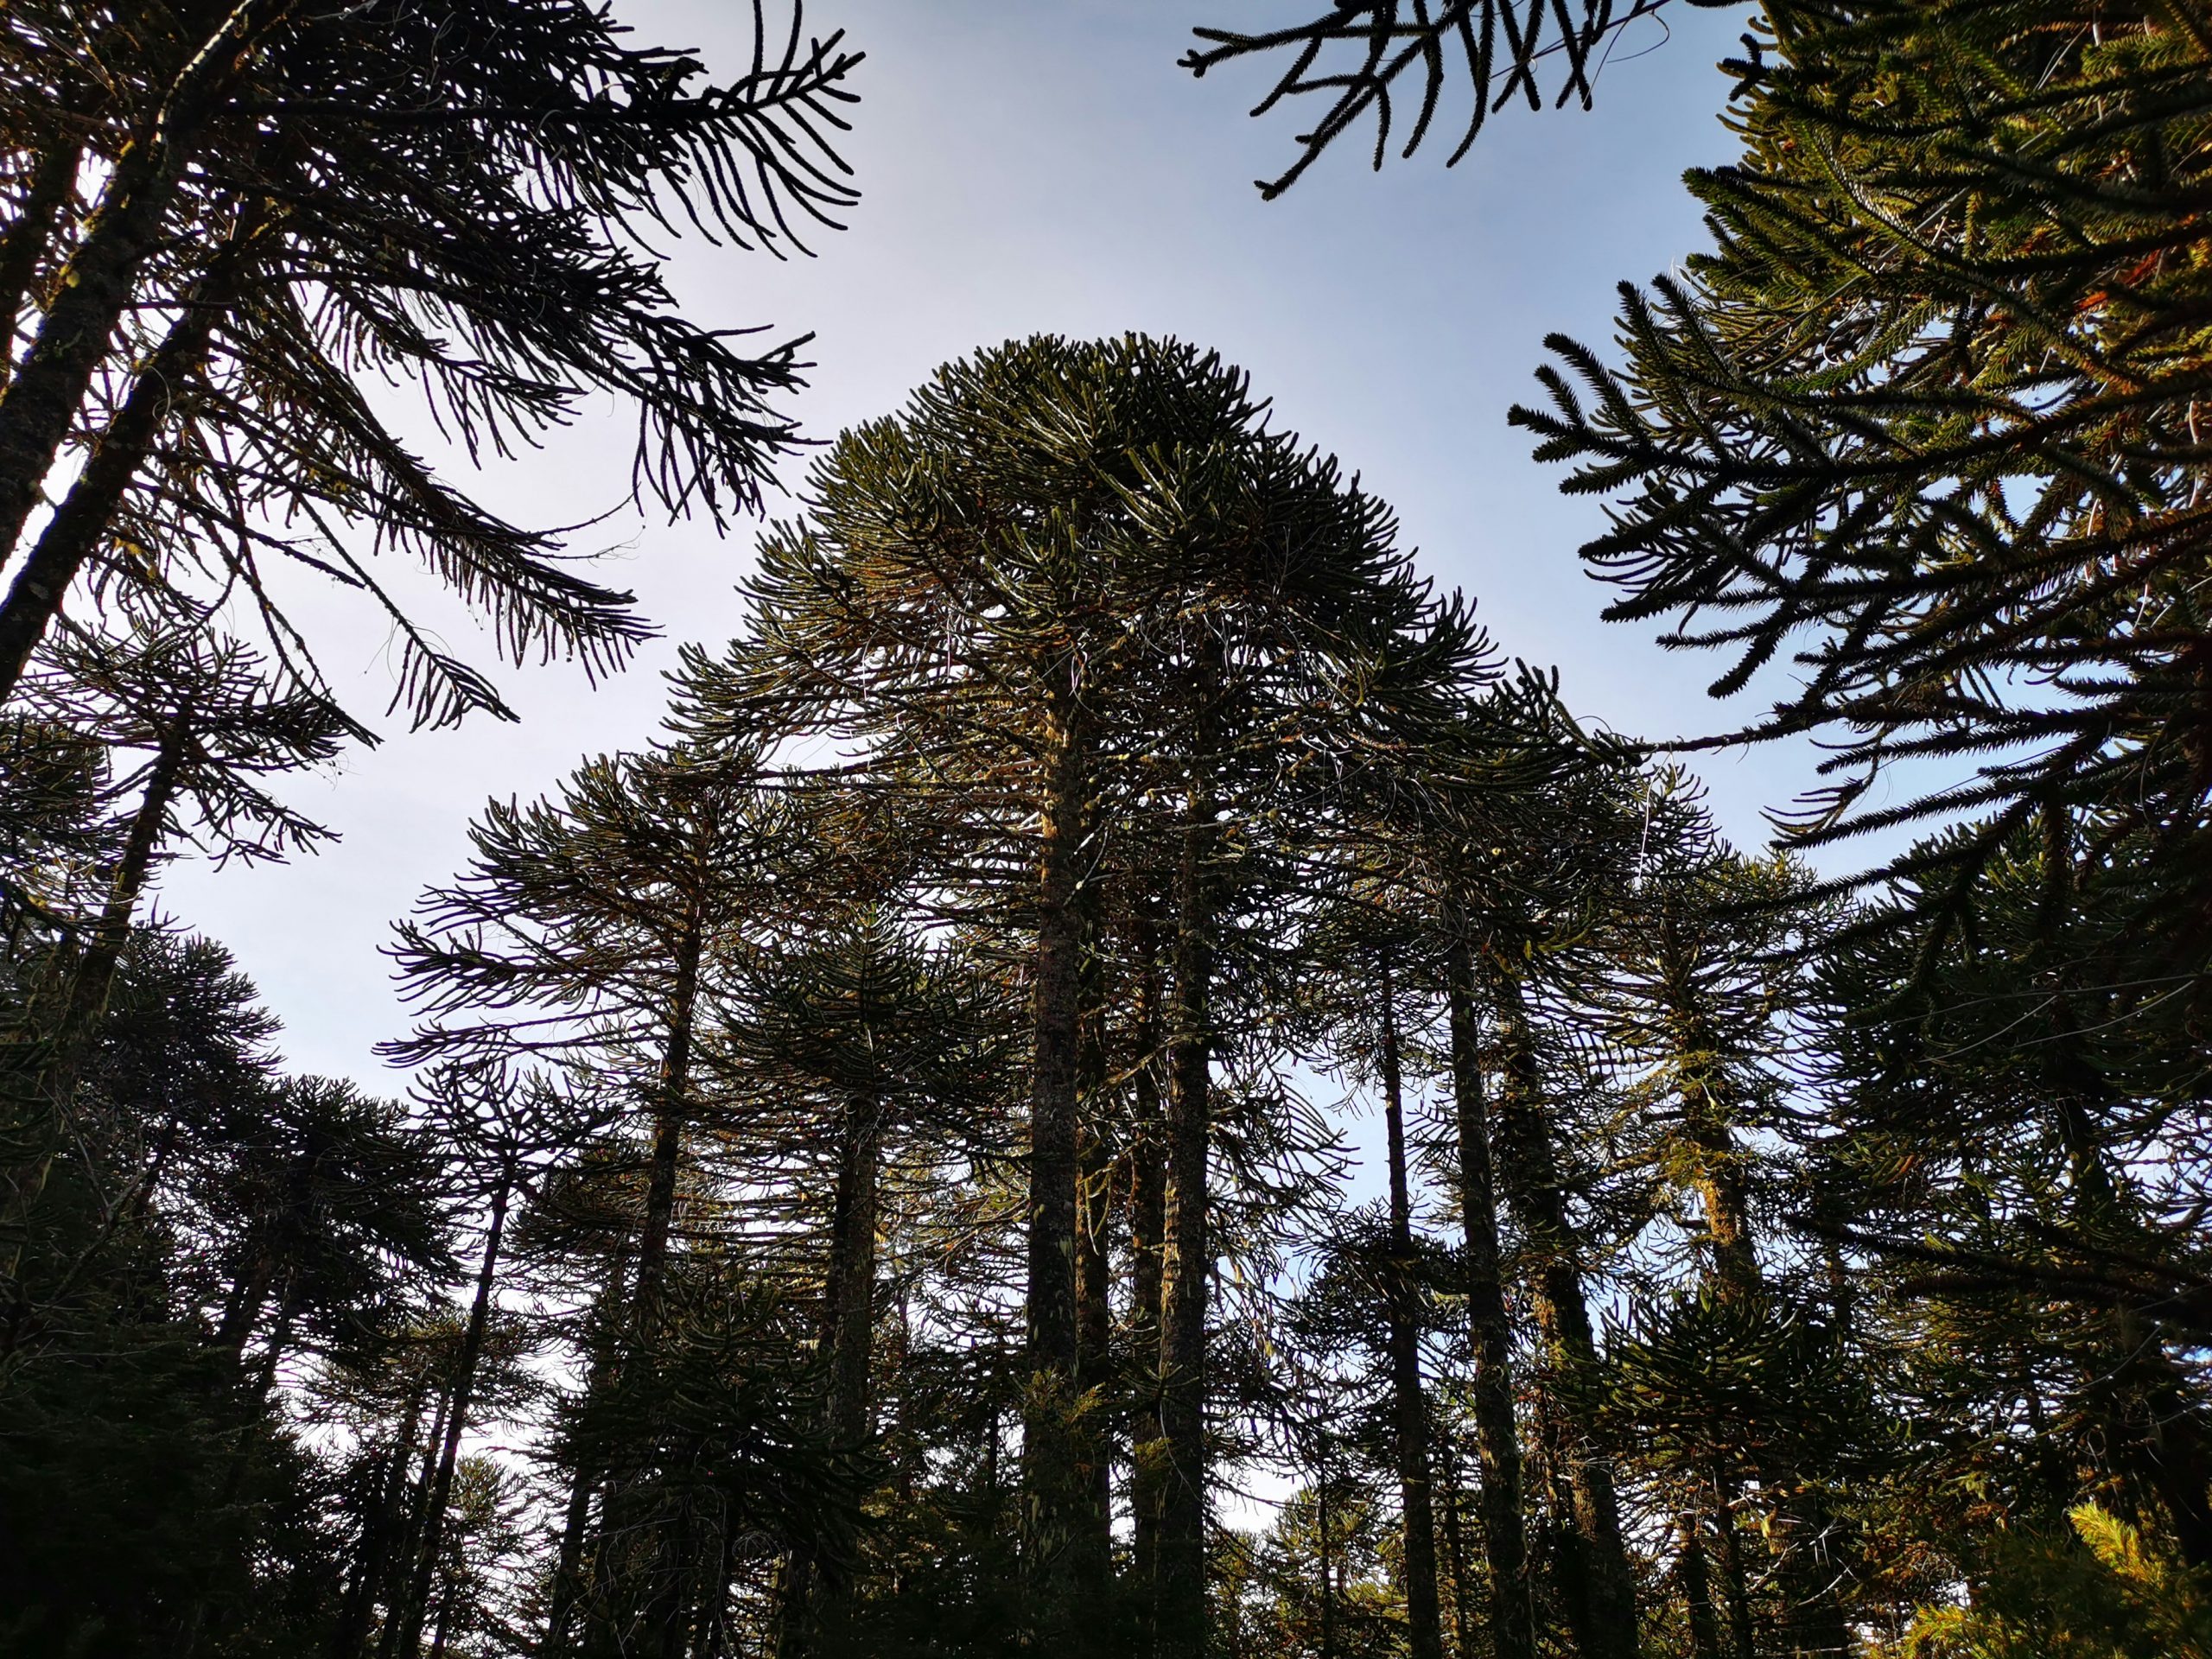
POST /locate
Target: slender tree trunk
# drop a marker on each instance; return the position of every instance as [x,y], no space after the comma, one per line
[1424,1623]
[93,981]
[124,229]
[464,1384]
[1697,1588]
[848,1330]
[1094,1356]
[444,1625]
[1094,1539]
[1147,1203]
[82,519]
[378,1523]
[242,1311]
[668,1612]
[1052,1489]
[1708,1121]
[1719,1177]
[1735,1579]
[395,1590]
[1321,1519]
[851,1270]
[569,1575]
[1497,1434]
[53,183]
[1455,1546]
[1563,1318]
[655,1236]
[670,1116]
[1181,1616]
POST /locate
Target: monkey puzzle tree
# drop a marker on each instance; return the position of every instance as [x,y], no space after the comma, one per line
[1069,575]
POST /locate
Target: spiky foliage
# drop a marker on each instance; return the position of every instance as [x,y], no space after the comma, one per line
[1925,425]
[1400,65]
[225,227]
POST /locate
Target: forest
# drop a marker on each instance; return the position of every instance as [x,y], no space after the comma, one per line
[1117,1076]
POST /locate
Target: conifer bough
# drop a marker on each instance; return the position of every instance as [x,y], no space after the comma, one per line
[1369,60]
[222,226]
[1929,426]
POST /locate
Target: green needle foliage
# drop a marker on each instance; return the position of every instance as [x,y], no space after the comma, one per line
[227,229]
[1924,425]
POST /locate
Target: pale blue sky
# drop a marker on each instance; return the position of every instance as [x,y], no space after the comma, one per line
[1047,167]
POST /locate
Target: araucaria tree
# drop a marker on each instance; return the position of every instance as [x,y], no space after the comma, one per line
[224,225]
[1114,1081]
[1089,619]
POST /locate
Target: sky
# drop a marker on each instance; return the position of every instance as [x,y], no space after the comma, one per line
[1029,167]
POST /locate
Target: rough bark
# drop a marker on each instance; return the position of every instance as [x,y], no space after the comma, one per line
[1696,1581]
[464,1386]
[671,1111]
[1497,1435]
[28,237]
[1530,1163]
[1181,1616]
[1147,1210]
[1053,1491]
[1417,1518]
[124,228]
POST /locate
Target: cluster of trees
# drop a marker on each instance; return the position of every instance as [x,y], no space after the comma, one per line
[879,1166]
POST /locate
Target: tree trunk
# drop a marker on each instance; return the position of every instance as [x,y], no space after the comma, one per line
[847,1333]
[464,1384]
[1328,1577]
[669,1116]
[1094,1355]
[1093,1447]
[1188,1257]
[1719,1177]
[378,1524]
[52,185]
[1530,1163]
[569,1576]
[123,229]
[411,1534]
[85,512]
[851,1289]
[95,975]
[1735,1579]
[1053,1493]
[1697,1588]
[1497,1434]
[1147,1202]
[1455,1546]
[93,981]
[1424,1623]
